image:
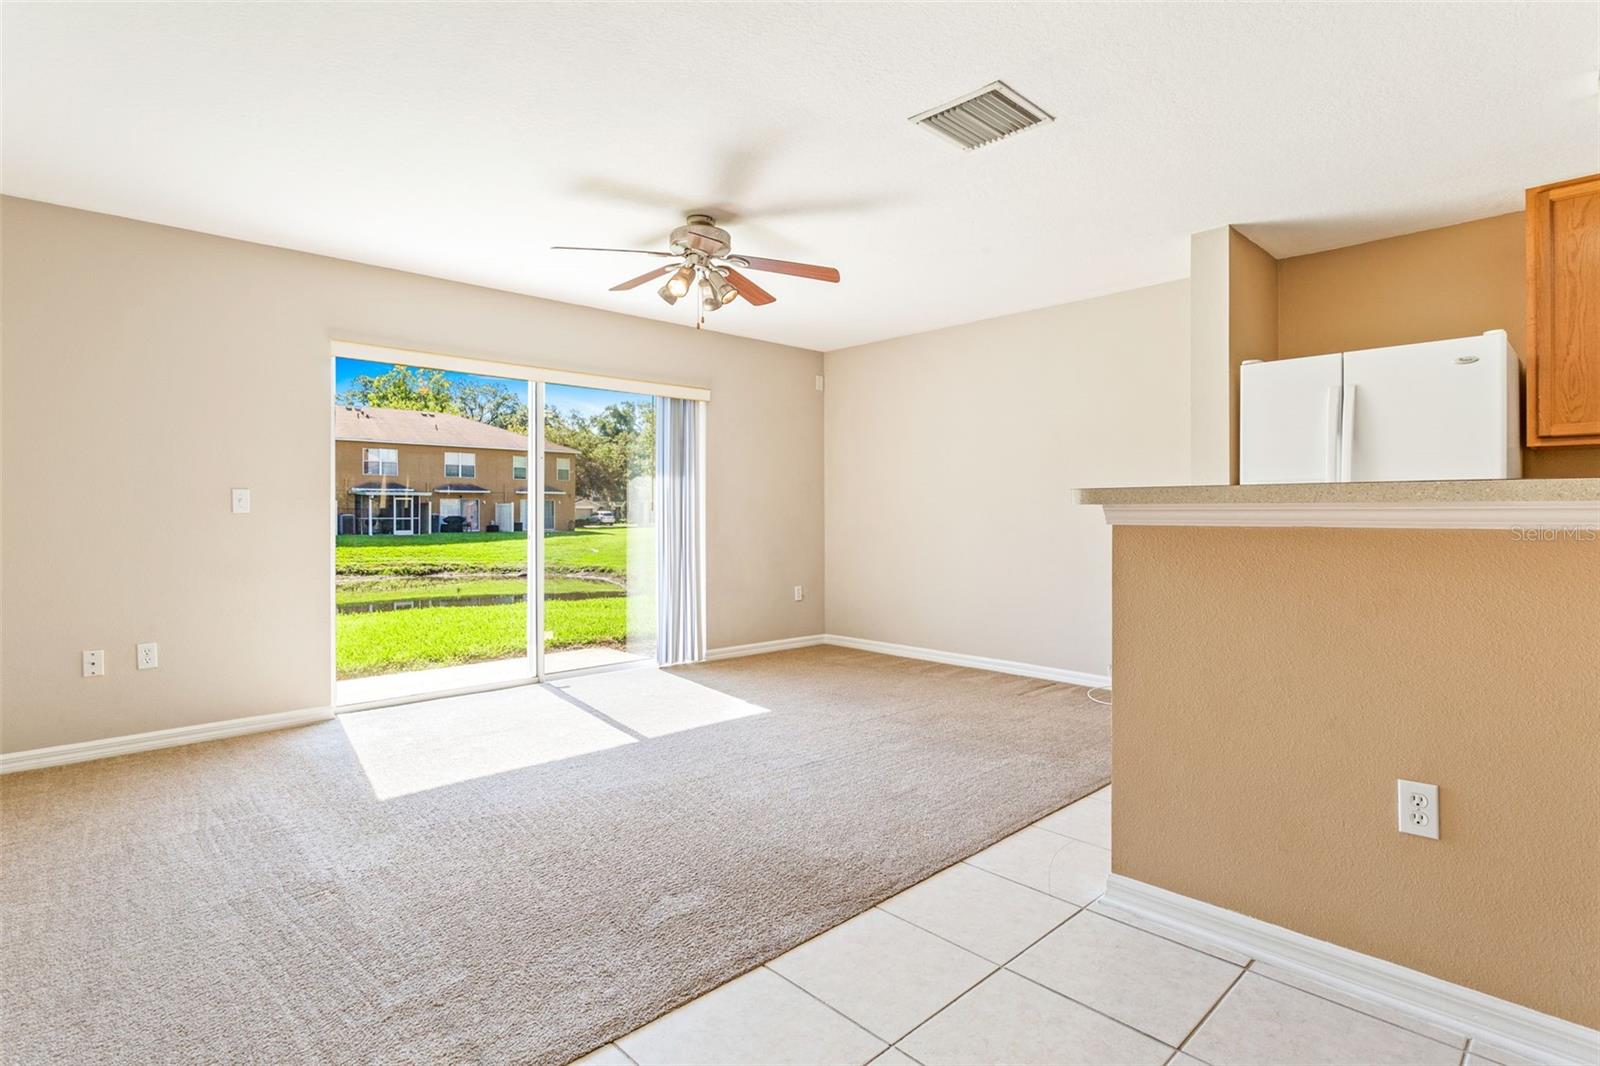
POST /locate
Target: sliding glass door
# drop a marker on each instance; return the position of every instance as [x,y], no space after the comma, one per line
[599,587]
[430,563]
[473,510]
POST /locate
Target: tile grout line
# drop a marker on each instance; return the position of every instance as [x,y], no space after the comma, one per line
[1212,1009]
[995,967]
[999,967]
[1268,977]
[1465,1037]
[1077,910]
[887,1043]
[1092,1010]
[1014,881]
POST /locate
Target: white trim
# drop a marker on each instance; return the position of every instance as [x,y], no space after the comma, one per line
[907,651]
[1505,514]
[433,694]
[378,353]
[1481,1016]
[62,754]
[736,651]
[975,662]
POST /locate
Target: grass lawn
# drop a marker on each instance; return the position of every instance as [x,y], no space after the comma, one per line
[391,641]
[474,564]
[600,549]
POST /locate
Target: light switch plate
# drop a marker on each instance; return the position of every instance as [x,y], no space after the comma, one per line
[241,501]
[1418,806]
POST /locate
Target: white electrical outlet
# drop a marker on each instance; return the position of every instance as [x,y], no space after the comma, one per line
[94,664]
[799,593]
[1419,809]
[147,657]
[241,501]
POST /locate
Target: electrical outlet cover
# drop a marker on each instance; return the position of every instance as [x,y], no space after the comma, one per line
[147,658]
[1418,808]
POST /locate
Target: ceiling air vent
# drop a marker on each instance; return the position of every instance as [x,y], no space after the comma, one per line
[983,116]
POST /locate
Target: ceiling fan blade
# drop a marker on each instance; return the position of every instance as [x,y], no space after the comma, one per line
[630,251]
[783,266]
[633,283]
[747,288]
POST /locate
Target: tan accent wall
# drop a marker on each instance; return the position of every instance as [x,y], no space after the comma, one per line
[1252,323]
[1233,317]
[1271,687]
[1449,282]
[951,459]
[1213,443]
[164,367]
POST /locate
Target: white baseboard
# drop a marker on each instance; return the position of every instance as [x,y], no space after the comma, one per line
[734,651]
[62,754]
[1541,1037]
[975,662]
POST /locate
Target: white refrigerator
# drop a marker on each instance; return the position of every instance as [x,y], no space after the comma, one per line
[1437,411]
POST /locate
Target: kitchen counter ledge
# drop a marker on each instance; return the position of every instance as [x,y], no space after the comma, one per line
[1565,503]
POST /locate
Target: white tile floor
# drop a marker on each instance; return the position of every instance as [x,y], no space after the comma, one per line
[1009,958]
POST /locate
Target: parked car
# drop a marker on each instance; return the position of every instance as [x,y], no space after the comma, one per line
[605,518]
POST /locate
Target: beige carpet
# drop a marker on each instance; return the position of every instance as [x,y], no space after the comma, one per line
[253,900]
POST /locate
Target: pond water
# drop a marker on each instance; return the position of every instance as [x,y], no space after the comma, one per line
[411,602]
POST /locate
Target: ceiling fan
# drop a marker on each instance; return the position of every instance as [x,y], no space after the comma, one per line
[704,255]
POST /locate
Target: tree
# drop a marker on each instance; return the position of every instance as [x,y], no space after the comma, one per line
[613,446]
[492,403]
[402,388]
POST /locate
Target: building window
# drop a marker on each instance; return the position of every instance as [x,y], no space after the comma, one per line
[519,467]
[380,462]
[460,464]
[563,469]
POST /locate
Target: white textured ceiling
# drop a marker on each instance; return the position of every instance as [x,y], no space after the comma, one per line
[462,140]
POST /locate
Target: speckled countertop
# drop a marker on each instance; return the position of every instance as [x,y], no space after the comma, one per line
[1533,490]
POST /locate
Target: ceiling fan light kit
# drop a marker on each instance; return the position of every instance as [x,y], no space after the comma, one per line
[706,253]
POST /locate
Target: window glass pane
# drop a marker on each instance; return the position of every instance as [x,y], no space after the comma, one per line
[598,527]
[519,466]
[430,582]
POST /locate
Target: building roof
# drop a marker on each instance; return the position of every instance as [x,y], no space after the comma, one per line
[387,425]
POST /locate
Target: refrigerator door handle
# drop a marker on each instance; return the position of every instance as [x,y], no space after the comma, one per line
[1330,470]
[1347,433]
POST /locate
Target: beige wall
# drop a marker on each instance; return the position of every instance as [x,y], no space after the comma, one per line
[1448,282]
[951,460]
[156,368]
[1272,685]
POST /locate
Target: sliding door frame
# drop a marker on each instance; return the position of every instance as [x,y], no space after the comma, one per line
[536,377]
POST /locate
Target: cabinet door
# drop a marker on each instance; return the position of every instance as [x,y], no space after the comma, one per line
[1563,340]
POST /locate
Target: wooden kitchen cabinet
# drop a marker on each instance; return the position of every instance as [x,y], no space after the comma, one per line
[1563,342]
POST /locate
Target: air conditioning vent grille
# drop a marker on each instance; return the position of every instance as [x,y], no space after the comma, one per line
[992,113]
